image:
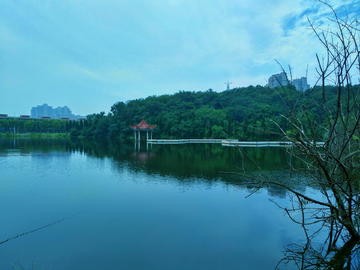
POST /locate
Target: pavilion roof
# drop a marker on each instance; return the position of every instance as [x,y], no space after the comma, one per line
[143,126]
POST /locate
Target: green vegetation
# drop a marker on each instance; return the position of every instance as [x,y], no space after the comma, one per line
[33,135]
[38,126]
[240,113]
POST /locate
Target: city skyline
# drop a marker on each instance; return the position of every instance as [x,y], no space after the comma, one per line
[56,113]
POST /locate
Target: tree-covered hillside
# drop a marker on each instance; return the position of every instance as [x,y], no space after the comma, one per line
[238,113]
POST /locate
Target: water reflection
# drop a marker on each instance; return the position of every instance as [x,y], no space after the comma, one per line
[345,255]
[182,161]
[186,165]
[143,157]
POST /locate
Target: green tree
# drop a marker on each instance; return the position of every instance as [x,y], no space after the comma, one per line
[28,126]
[74,132]
[218,132]
[44,125]
[56,126]
[114,131]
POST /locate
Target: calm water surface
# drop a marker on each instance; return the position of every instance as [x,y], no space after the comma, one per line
[160,207]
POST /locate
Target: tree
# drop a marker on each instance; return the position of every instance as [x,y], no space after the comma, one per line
[102,127]
[81,124]
[28,126]
[114,131]
[218,132]
[334,165]
[73,132]
[57,126]
[44,125]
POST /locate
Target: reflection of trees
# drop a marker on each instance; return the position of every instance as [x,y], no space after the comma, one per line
[143,157]
[276,191]
[184,162]
[26,145]
[325,256]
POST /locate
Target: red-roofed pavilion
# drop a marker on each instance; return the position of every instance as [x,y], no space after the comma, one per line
[143,126]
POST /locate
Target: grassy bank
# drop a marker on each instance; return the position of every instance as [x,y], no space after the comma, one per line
[34,135]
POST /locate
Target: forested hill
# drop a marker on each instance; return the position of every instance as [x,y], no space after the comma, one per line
[236,113]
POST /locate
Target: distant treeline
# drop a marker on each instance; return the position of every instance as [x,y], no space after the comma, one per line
[239,113]
[40,126]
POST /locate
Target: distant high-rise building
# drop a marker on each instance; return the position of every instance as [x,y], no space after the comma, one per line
[43,110]
[278,80]
[57,113]
[62,112]
[301,84]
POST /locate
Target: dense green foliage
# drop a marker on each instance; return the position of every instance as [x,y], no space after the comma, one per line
[39,125]
[239,113]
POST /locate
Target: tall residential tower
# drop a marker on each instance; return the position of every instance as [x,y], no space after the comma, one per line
[278,80]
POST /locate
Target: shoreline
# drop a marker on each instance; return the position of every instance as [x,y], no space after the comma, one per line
[34,135]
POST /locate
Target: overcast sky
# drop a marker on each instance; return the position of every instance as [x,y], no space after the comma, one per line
[89,54]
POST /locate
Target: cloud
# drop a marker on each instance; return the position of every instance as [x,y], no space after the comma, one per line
[130,49]
[8,39]
[113,75]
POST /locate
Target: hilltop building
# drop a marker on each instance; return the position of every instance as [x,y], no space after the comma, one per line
[55,113]
[278,80]
[301,84]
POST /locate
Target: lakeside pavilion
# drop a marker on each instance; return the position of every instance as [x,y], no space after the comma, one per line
[142,126]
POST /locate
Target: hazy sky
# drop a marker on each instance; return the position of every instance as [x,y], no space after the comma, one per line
[89,54]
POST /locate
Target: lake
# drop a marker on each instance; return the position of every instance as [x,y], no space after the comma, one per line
[115,206]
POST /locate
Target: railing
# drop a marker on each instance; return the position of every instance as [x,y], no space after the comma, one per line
[226,142]
[261,143]
[182,141]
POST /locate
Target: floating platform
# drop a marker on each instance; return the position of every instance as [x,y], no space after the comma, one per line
[183,141]
[261,143]
[255,144]
[227,142]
